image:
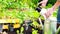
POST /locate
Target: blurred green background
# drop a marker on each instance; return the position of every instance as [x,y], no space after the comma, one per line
[21,8]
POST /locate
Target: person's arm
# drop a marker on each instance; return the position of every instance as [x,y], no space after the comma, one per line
[52,9]
[58,0]
[43,3]
[57,4]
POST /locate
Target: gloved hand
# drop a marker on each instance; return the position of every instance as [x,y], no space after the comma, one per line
[49,12]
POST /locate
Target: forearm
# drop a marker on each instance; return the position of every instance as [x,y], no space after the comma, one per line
[57,4]
[43,3]
[58,0]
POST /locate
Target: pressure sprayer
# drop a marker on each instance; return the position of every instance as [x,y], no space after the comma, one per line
[49,26]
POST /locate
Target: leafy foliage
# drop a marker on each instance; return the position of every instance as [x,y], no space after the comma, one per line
[51,2]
